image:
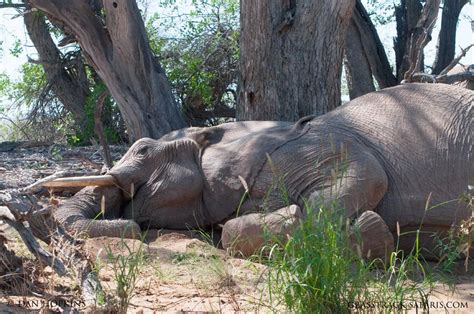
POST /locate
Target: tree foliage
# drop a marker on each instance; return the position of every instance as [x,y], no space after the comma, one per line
[198,47]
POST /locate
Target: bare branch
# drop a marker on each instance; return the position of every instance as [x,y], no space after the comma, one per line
[456,60]
[34,247]
[38,185]
[68,250]
[445,78]
[421,36]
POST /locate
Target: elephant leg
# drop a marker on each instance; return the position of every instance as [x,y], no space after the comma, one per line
[371,237]
[357,188]
[246,235]
[82,215]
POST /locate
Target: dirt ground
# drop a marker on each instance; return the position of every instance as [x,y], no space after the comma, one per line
[179,273]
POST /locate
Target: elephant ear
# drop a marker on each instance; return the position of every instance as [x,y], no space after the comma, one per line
[237,152]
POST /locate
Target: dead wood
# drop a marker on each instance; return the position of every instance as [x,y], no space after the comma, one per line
[22,215]
[420,37]
[446,79]
[456,60]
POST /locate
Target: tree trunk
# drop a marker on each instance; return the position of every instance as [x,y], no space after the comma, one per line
[118,49]
[373,47]
[447,34]
[407,15]
[70,90]
[291,57]
[357,67]
[419,38]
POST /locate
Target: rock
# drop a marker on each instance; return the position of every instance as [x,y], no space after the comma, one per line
[2,169]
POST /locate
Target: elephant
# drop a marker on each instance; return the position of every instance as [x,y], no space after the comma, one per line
[394,159]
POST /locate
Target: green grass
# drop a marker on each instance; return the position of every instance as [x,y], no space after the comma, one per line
[126,267]
[316,271]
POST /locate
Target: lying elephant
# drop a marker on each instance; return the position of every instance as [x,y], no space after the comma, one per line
[383,156]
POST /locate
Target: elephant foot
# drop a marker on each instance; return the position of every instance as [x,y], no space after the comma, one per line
[246,235]
[371,237]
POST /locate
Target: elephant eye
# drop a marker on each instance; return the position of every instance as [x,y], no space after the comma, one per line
[142,150]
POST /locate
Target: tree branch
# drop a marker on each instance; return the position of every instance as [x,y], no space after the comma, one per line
[445,78]
[456,60]
[373,47]
[68,250]
[446,47]
[67,89]
[420,37]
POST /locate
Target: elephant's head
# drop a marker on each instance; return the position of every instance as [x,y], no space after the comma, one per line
[156,184]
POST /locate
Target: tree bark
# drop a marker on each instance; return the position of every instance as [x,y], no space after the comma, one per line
[291,57]
[447,35]
[419,37]
[71,90]
[357,67]
[118,49]
[407,15]
[373,47]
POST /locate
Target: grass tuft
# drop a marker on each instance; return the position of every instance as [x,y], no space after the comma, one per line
[316,270]
[126,267]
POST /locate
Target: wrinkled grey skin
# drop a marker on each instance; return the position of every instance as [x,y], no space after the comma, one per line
[393,151]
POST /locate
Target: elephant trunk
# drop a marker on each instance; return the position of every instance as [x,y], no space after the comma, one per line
[84,214]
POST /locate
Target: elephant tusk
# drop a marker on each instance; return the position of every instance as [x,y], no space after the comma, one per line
[103,180]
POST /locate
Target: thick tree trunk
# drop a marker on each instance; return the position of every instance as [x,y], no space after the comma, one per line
[447,34]
[357,67]
[70,90]
[373,47]
[291,57]
[119,51]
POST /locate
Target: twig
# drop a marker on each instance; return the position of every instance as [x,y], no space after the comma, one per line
[456,60]
[445,78]
[33,246]
[19,211]
[38,185]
